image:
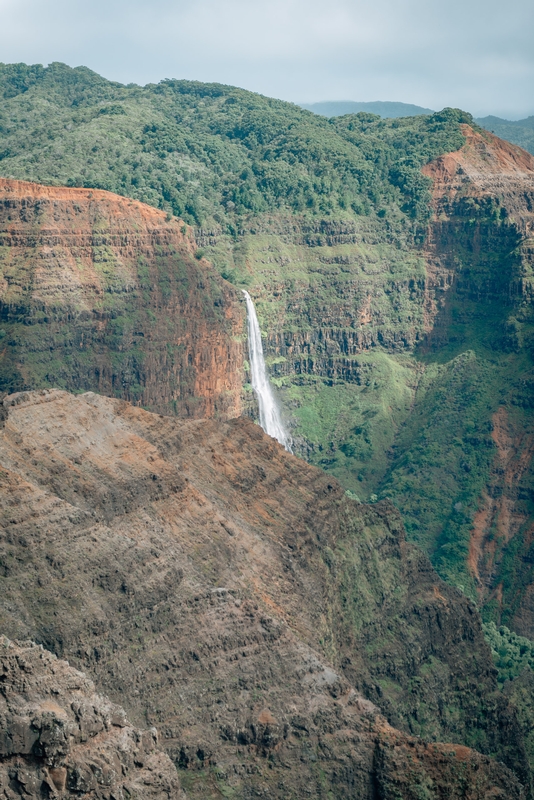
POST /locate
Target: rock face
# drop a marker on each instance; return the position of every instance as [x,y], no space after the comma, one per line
[485,166]
[480,243]
[481,251]
[103,293]
[100,292]
[61,739]
[408,365]
[236,598]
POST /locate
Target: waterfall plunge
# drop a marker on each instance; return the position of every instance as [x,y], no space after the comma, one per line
[270,419]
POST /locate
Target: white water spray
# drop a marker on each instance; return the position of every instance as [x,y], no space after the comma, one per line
[270,419]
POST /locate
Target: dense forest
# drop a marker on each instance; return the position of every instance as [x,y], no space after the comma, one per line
[212,153]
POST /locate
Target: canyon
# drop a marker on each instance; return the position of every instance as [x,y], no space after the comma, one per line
[282,636]
[384,352]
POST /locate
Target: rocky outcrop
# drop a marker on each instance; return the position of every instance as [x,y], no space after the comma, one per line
[235,598]
[61,739]
[486,166]
[101,292]
[480,244]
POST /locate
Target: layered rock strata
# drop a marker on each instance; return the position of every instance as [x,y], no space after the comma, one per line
[101,292]
[481,250]
[351,286]
[481,241]
[235,598]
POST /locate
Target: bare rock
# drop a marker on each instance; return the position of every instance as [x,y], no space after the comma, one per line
[61,739]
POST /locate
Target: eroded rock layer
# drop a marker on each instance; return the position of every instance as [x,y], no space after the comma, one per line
[100,292]
[480,245]
[61,739]
[271,628]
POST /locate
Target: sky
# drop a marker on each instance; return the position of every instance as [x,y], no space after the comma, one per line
[473,54]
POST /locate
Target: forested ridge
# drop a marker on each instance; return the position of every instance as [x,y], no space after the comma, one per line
[209,152]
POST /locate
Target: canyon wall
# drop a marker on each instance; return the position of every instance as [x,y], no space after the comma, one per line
[385,343]
[100,292]
[282,638]
[405,360]
[481,247]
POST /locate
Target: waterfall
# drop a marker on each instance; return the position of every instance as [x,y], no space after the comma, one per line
[270,419]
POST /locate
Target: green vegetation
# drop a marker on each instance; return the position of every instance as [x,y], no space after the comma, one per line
[389,386]
[511,653]
[350,427]
[519,132]
[513,656]
[442,459]
[211,153]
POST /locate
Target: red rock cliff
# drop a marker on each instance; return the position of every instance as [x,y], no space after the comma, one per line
[475,190]
[102,292]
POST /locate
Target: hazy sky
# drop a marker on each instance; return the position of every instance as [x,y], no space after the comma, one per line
[474,54]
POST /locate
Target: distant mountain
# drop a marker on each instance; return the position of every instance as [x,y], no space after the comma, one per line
[383,109]
[520,132]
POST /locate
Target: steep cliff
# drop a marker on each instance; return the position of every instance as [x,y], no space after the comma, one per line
[237,599]
[99,292]
[61,739]
[467,445]
[407,367]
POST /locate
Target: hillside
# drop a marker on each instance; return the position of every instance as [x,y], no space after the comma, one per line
[469,434]
[387,109]
[391,265]
[519,131]
[213,154]
[272,629]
